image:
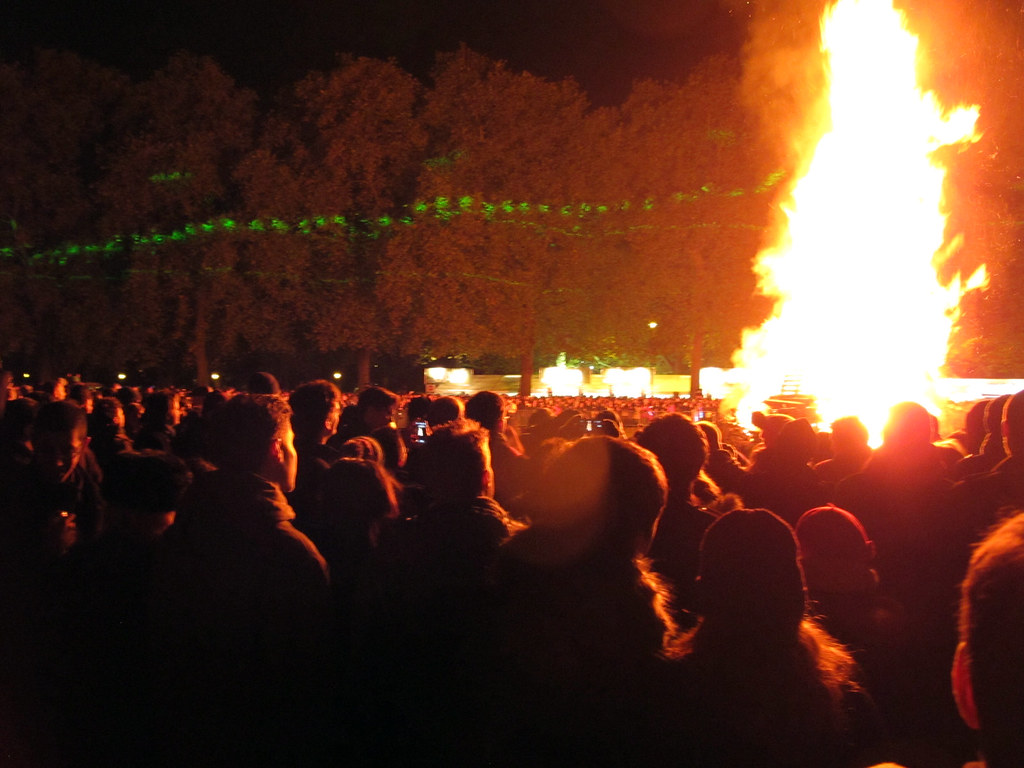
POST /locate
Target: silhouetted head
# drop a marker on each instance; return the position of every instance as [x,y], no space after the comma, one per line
[445,409]
[680,447]
[974,428]
[541,417]
[750,574]
[712,434]
[605,493]
[358,491]
[56,389]
[213,401]
[59,439]
[17,420]
[610,423]
[994,415]
[488,410]
[796,442]
[128,395]
[253,433]
[457,462]
[161,409]
[835,552]
[909,426]
[376,407]
[316,410]
[145,483]
[198,394]
[849,435]
[770,425]
[1013,425]
[107,417]
[988,671]
[263,383]
[82,395]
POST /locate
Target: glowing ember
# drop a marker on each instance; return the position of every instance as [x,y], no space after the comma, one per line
[861,321]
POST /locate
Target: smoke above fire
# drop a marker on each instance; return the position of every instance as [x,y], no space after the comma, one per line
[784,74]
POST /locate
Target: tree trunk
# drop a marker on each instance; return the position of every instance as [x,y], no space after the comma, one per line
[363,368]
[202,361]
[46,367]
[526,372]
[696,361]
[199,351]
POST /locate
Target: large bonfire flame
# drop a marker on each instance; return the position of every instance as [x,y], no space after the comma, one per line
[861,321]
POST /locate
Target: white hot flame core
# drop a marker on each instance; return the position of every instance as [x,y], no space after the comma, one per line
[860,315]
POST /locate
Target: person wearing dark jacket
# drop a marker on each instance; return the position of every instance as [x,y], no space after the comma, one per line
[988,667]
[316,411]
[241,604]
[982,499]
[417,641]
[580,620]
[759,682]
[54,500]
[509,465]
[159,421]
[850,451]
[781,479]
[992,449]
[903,500]
[675,551]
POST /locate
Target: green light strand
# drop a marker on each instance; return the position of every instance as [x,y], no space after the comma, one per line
[440,208]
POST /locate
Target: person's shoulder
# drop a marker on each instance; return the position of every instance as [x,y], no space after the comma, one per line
[976,481]
[502,449]
[684,516]
[298,547]
[297,560]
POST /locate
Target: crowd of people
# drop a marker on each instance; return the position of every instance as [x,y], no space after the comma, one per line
[291,578]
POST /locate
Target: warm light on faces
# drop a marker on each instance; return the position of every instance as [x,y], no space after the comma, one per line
[282,461]
[56,454]
[333,418]
[377,417]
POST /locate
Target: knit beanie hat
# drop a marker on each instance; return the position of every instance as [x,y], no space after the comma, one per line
[835,550]
[749,571]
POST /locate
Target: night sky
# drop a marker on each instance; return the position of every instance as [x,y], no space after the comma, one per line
[604,44]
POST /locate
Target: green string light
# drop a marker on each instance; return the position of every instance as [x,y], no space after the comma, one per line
[163,178]
[373,229]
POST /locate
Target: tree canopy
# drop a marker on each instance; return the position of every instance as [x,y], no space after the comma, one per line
[180,223]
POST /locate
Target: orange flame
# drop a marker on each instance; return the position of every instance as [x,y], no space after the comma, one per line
[860,318]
